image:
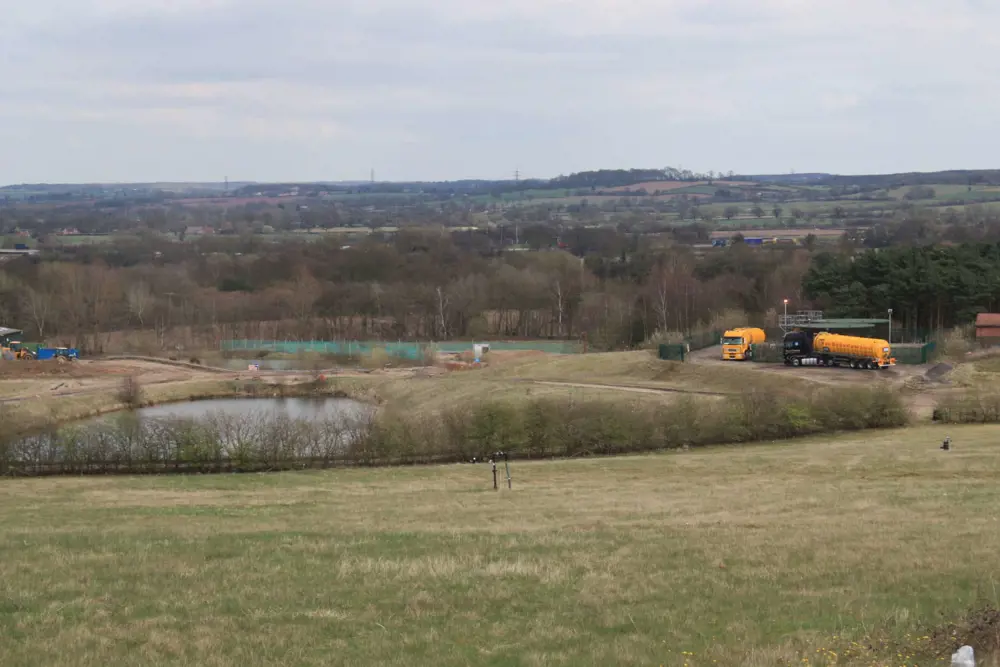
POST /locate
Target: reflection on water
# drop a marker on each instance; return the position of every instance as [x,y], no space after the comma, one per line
[312,409]
[198,436]
[263,364]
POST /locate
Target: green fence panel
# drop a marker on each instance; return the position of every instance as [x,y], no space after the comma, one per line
[673,351]
[914,354]
[406,350]
[767,353]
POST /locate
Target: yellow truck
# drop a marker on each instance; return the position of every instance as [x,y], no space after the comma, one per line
[736,343]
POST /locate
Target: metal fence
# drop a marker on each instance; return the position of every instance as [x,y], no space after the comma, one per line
[771,353]
[767,353]
[914,354]
[703,339]
[674,351]
[404,350]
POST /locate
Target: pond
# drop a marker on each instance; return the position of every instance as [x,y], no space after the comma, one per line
[265,364]
[311,409]
[200,436]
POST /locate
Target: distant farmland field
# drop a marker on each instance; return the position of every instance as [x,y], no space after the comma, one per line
[801,232]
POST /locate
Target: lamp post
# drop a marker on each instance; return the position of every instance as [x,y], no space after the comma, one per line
[890,326]
[784,320]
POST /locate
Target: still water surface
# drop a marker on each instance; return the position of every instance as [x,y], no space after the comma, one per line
[312,409]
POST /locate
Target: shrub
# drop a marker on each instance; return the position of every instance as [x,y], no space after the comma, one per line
[537,428]
[955,344]
[659,337]
[975,407]
[552,427]
[130,394]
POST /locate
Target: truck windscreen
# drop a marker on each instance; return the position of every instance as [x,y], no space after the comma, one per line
[732,341]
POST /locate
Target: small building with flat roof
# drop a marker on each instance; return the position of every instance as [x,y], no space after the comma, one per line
[988,327]
[7,335]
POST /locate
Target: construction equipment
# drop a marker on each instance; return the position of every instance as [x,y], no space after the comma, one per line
[15,350]
[737,343]
[68,353]
[803,348]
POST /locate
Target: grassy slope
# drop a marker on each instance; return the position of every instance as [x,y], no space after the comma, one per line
[747,556]
[642,369]
[513,380]
[569,375]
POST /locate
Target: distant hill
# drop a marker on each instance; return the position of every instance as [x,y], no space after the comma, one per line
[888,181]
[600,179]
[786,178]
[595,181]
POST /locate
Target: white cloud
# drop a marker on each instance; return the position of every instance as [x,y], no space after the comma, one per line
[451,88]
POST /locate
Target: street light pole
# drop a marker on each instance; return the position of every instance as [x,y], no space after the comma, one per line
[784,321]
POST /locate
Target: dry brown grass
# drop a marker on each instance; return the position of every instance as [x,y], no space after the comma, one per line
[729,556]
[641,369]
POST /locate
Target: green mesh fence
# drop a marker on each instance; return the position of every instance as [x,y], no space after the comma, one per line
[767,353]
[703,339]
[403,350]
[914,354]
[904,354]
[673,351]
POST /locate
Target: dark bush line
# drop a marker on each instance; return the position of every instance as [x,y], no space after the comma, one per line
[535,429]
[547,428]
[972,408]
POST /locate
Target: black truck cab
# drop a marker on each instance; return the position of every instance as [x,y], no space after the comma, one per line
[797,344]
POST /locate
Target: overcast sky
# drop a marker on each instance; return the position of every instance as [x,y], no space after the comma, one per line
[277,90]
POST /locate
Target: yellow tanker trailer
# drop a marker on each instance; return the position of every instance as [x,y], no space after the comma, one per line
[827,349]
[736,343]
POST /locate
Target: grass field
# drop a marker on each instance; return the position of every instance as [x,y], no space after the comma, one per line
[757,556]
[641,369]
[601,376]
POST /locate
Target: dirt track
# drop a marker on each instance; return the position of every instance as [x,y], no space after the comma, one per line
[32,380]
[28,381]
[628,388]
[823,375]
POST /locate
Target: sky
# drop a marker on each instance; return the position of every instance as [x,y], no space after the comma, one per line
[287,90]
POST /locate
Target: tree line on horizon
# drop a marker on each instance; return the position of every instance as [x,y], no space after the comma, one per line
[611,288]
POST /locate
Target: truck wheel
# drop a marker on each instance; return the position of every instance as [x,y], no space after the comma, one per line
[796,362]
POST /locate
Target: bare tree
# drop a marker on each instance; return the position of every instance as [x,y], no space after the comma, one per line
[140,299]
[443,302]
[39,304]
[306,290]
